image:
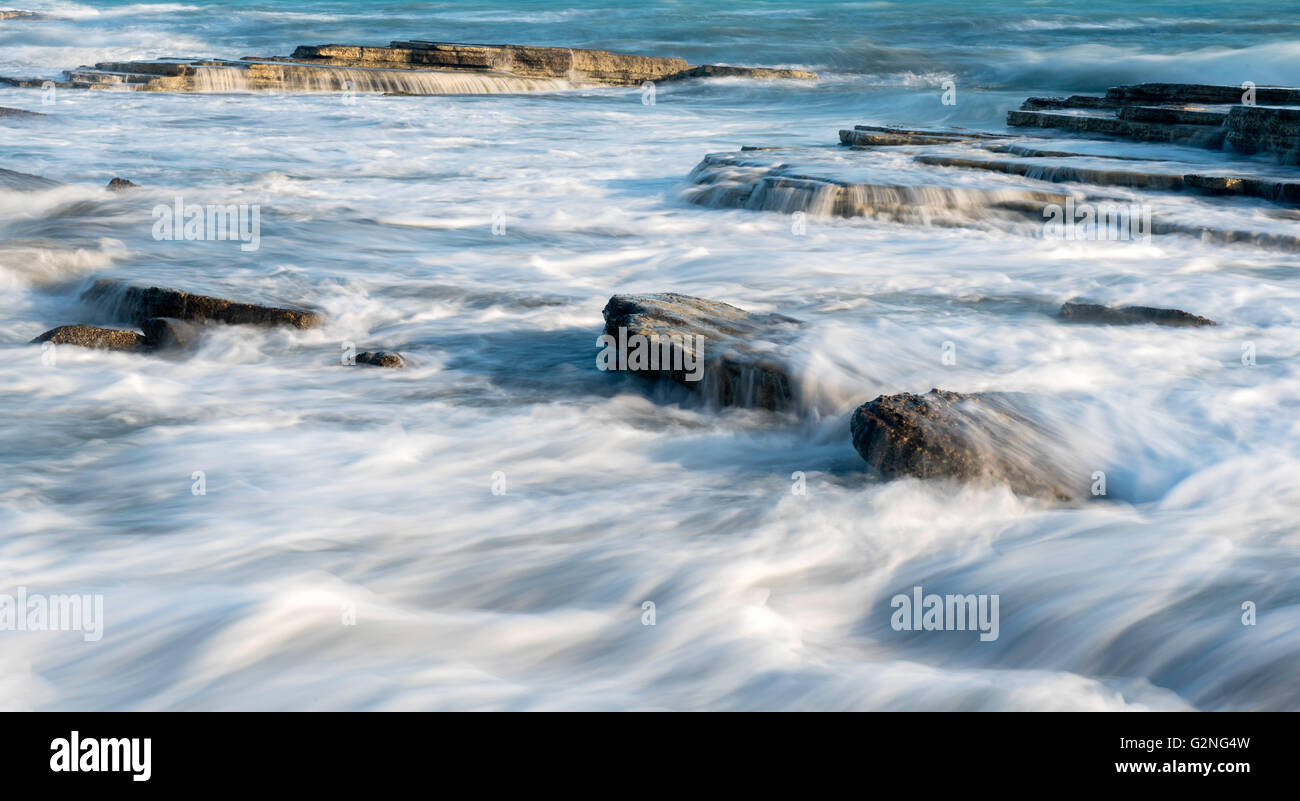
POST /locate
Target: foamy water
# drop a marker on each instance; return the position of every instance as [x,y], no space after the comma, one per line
[334,490]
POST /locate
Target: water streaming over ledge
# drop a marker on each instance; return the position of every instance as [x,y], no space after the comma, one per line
[302,78]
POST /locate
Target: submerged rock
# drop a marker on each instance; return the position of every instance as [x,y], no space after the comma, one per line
[32,83]
[381,358]
[141,303]
[120,184]
[1129,315]
[89,336]
[732,357]
[25,182]
[723,71]
[979,438]
[5,111]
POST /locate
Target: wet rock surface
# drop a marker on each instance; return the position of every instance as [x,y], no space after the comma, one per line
[89,336]
[139,304]
[18,113]
[1193,114]
[411,68]
[120,185]
[805,180]
[25,182]
[865,177]
[1129,315]
[165,333]
[980,438]
[381,358]
[740,355]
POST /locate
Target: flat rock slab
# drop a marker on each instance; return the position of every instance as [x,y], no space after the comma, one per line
[1147,93]
[1064,167]
[861,183]
[1129,315]
[731,356]
[980,439]
[961,178]
[886,136]
[139,304]
[89,336]
[1111,125]
[411,68]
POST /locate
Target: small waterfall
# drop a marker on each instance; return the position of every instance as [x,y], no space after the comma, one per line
[732,181]
[308,78]
[220,79]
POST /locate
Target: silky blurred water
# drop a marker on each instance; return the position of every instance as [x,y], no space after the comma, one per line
[331,489]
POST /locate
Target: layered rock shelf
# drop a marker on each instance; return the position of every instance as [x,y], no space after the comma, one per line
[1191,114]
[1123,150]
[798,181]
[1018,190]
[409,67]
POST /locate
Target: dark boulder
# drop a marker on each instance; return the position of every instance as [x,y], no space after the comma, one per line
[1129,315]
[163,333]
[142,303]
[381,358]
[730,356]
[980,438]
[120,184]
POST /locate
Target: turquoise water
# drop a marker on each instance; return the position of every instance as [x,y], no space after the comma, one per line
[1078,46]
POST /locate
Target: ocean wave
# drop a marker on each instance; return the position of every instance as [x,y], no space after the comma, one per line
[76,11]
[1094,67]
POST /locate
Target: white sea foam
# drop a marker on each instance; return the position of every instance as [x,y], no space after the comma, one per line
[331,491]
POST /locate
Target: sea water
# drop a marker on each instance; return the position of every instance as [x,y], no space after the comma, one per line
[502,525]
